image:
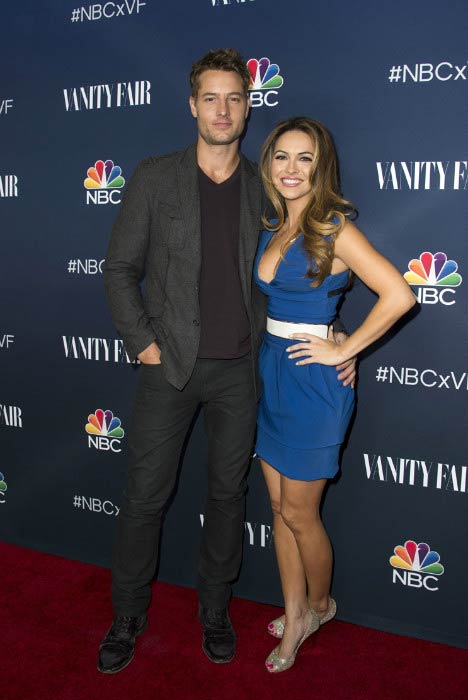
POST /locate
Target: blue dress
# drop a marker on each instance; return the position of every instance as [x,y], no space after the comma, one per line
[304,410]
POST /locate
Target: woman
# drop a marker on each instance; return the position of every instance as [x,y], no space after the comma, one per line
[303,264]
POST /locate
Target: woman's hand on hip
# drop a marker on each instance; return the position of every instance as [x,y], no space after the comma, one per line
[314,350]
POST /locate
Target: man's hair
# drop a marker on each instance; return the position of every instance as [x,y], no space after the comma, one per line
[220,59]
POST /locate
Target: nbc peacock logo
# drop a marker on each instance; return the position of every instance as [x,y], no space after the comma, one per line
[104,431]
[416,566]
[265,81]
[104,183]
[3,488]
[435,276]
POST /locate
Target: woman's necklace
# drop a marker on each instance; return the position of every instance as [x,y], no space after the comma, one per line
[284,236]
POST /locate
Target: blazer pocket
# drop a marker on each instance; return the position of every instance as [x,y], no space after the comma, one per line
[172,227]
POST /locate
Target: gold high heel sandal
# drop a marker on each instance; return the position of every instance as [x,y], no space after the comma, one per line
[276,627]
[275,663]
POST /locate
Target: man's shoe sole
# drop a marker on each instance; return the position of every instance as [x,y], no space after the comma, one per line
[109,671]
[116,670]
[217,661]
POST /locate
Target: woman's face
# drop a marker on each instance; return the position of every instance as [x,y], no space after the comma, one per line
[292,164]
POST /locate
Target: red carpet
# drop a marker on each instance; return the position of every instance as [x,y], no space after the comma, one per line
[55,611]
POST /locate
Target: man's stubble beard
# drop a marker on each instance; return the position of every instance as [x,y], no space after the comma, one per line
[212,140]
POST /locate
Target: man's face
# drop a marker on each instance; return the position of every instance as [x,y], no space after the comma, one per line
[220,108]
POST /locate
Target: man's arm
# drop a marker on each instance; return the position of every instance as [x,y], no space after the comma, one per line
[125,267]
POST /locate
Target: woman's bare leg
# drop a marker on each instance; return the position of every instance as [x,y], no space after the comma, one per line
[291,569]
[300,511]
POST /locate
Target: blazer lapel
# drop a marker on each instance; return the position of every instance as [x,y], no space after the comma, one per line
[189,198]
[250,212]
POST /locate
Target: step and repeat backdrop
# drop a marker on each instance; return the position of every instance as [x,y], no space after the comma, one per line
[88,89]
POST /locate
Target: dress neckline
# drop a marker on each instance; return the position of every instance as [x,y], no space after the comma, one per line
[280,259]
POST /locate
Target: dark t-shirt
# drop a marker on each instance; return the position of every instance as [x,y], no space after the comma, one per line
[225,328]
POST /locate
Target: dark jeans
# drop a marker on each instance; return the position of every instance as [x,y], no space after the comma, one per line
[162,416]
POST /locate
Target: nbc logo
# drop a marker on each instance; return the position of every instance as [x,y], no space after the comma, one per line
[3,488]
[104,431]
[415,565]
[264,77]
[104,183]
[435,276]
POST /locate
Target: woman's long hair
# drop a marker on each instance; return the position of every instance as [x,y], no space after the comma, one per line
[325,214]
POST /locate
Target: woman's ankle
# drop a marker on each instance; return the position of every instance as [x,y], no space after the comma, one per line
[297,611]
[320,605]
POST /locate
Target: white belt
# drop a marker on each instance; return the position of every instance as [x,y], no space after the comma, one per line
[283,329]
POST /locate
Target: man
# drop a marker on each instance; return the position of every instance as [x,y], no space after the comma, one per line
[189,224]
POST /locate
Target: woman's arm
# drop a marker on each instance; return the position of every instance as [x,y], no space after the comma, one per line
[395,299]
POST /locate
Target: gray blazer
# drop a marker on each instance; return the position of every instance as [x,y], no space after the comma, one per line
[156,238]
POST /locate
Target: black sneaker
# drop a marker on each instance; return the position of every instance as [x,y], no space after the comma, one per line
[219,639]
[117,647]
